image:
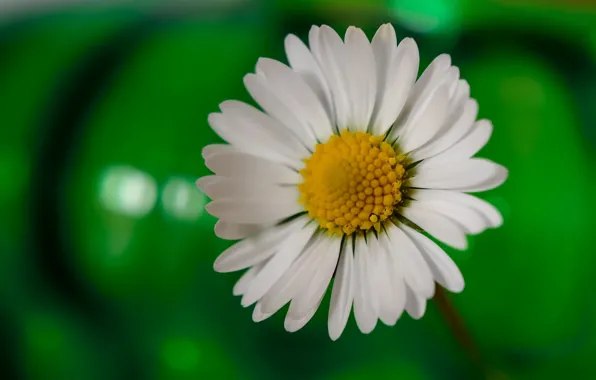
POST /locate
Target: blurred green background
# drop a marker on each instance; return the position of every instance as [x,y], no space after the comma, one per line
[105,249]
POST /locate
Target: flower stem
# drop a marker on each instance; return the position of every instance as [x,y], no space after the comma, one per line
[458,327]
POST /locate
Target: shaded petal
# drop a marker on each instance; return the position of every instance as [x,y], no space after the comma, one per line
[254,132]
[331,55]
[205,183]
[245,280]
[457,202]
[251,168]
[362,79]
[415,305]
[212,149]
[471,220]
[486,209]
[415,270]
[467,147]
[234,231]
[451,134]
[444,270]
[364,299]
[396,70]
[304,301]
[476,174]
[303,62]
[292,324]
[429,81]
[342,295]
[258,315]
[252,204]
[289,249]
[425,121]
[438,225]
[383,282]
[396,271]
[263,93]
[254,249]
[298,96]
[297,277]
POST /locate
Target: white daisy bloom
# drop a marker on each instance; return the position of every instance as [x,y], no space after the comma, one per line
[332,181]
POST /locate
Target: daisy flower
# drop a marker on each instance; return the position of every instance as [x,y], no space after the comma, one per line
[351,162]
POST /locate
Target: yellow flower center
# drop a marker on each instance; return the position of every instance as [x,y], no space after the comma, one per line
[352,182]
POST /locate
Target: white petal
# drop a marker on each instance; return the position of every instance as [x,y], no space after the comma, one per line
[219,187]
[262,204]
[451,133]
[362,80]
[494,181]
[264,94]
[212,149]
[476,174]
[384,45]
[432,76]
[396,270]
[364,303]
[292,324]
[205,183]
[234,231]
[254,249]
[430,79]
[483,207]
[288,251]
[457,102]
[455,110]
[298,96]
[245,280]
[258,315]
[250,136]
[415,305]
[468,218]
[342,295]
[444,270]
[314,42]
[253,168]
[308,297]
[304,63]
[416,272]
[397,70]
[296,278]
[451,79]
[383,283]
[438,225]
[331,55]
[425,121]
[468,146]
[489,213]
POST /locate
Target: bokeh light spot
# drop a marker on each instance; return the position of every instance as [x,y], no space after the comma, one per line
[182,200]
[426,16]
[128,191]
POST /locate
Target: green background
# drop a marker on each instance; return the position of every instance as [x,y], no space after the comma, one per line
[105,249]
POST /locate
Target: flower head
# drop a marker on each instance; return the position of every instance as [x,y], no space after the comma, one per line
[333,181]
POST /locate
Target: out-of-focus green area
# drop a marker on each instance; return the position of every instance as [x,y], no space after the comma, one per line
[105,249]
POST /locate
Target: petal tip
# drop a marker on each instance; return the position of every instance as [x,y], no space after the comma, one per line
[218,267]
[213,117]
[334,336]
[457,288]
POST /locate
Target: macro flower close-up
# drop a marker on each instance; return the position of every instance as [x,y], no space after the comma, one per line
[345,178]
[297,190]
